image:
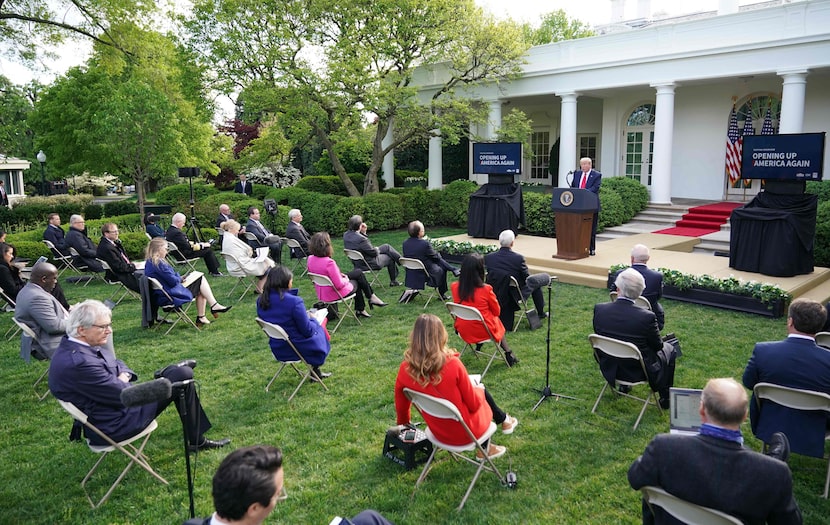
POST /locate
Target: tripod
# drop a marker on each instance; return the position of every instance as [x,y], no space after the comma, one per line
[181,403]
[546,391]
[194,222]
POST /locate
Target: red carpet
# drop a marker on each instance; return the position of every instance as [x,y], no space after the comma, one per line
[702,219]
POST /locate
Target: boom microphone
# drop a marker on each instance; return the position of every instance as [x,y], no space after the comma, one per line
[146,393]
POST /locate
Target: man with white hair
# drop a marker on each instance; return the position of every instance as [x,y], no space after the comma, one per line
[654,281]
[224,215]
[506,263]
[87,250]
[623,320]
[297,231]
[190,250]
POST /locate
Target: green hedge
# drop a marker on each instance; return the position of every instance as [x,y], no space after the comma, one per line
[822,189]
[538,214]
[634,196]
[822,241]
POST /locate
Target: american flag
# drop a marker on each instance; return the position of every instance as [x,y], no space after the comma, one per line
[767,128]
[733,148]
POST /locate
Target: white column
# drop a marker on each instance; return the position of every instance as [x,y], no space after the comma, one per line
[435,162]
[389,158]
[567,137]
[663,137]
[727,7]
[792,101]
[494,120]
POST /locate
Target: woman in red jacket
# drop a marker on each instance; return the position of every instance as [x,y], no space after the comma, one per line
[430,367]
[470,290]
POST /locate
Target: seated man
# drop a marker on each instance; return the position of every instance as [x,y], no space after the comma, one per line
[224,215]
[714,470]
[263,236]
[296,231]
[506,263]
[111,251]
[415,247]
[38,309]
[151,225]
[54,233]
[796,362]
[89,376]
[384,255]
[623,320]
[654,281]
[190,250]
[87,251]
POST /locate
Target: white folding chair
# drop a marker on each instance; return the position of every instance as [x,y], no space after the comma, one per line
[275,331]
[247,281]
[796,399]
[91,274]
[640,301]
[180,311]
[468,313]
[823,339]
[417,265]
[64,262]
[443,409]
[623,350]
[118,284]
[685,511]
[28,332]
[360,262]
[323,280]
[9,307]
[176,257]
[293,245]
[523,308]
[136,454]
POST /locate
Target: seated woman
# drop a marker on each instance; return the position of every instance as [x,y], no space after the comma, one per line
[430,367]
[243,254]
[320,262]
[157,267]
[281,304]
[470,290]
[151,225]
[12,283]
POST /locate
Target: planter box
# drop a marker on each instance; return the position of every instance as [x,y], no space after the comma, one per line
[452,258]
[415,184]
[724,300]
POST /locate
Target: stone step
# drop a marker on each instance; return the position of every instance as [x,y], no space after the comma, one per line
[572,276]
[820,293]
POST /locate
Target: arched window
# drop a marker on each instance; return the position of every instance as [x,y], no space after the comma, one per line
[639,143]
[755,108]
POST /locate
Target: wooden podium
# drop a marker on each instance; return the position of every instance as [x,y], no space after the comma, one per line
[574,209]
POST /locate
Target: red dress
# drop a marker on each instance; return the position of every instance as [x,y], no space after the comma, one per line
[455,387]
[486,302]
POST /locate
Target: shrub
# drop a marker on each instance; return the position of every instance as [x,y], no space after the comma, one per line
[633,194]
[34,210]
[323,214]
[612,212]
[123,207]
[418,204]
[538,215]
[326,184]
[274,176]
[178,195]
[822,189]
[453,201]
[402,175]
[822,239]
[31,249]
[384,211]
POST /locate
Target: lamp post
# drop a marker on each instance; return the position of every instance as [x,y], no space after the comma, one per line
[41,157]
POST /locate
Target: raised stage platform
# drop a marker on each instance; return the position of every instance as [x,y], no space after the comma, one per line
[667,251]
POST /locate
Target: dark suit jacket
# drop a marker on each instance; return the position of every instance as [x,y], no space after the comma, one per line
[653,291]
[87,251]
[501,265]
[296,231]
[114,255]
[4,198]
[259,232]
[719,474]
[623,320]
[222,218]
[353,240]
[249,188]
[592,184]
[415,248]
[797,363]
[10,280]
[178,237]
[56,236]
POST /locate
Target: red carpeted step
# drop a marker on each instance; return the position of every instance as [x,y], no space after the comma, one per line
[696,223]
[686,232]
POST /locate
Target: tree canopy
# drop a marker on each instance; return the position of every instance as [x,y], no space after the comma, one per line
[554,27]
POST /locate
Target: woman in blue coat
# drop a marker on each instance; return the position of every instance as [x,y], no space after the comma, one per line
[280,304]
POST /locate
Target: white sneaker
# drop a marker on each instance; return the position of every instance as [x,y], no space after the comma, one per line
[509,424]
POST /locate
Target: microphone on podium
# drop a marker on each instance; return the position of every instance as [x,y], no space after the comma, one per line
[566,177]
[146,393]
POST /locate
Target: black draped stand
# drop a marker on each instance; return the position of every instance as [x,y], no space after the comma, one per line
[773,235]
[494,208]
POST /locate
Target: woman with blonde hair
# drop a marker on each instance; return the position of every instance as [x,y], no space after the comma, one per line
[243,255]
[157,267]
[432,368]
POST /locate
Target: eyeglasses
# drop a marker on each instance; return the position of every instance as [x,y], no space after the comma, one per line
[103,326]
[282,495]
[111,231]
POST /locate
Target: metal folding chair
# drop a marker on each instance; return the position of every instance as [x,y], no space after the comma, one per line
[823,339]
[293,245]
[28,332]
[117,284]
[357,257]
[176,257]
[685,511]
[275,331]
[416,265]
[92,275]
[516,291]
[180,311]
[468,313]
[247,281]
[323,280]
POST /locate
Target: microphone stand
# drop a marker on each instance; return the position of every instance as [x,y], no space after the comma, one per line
[182,406]
[546,391]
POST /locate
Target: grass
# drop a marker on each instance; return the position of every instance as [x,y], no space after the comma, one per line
[571,464]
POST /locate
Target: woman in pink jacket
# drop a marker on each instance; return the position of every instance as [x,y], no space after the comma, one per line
[320,262]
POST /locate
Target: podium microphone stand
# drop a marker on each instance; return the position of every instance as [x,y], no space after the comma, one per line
[546,391]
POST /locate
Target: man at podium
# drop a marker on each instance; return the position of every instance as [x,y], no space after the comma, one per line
[589,179]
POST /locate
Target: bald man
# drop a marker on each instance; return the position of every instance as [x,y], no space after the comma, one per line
[38,309]
[713,468]
[175,235]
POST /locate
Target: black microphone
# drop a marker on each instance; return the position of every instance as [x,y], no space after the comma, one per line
[571,172]
[180,384]
[146,393]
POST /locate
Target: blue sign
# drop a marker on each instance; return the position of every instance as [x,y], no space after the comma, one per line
[797,156]
[497,158]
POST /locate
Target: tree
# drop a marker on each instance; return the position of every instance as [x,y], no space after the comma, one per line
[555,27]
[323,67]
[15,106]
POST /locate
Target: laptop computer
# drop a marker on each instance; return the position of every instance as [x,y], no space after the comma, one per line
[684,417]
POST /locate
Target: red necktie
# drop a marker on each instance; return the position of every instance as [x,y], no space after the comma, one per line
[583,181]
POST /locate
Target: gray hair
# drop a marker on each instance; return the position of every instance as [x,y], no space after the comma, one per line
[639,253]
[294,212]
[85,315]
[178,218]
[630,283]
[75,218]
[506,238]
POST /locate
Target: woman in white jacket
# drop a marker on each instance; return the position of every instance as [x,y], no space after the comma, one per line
[243,254]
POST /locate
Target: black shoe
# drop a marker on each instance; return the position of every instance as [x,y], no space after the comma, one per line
[624,389]
[207,444]
[778,447]
[394,283]
[511,359]
[217,274]
[316,374]
[456,272]
[164,321]
[665,403]
[593,252]
[363,313]
[445,298]
[219,309]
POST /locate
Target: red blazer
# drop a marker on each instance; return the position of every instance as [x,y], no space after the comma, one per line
[485,300]
[455,387]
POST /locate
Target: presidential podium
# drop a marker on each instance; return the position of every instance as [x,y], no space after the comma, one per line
[574,210]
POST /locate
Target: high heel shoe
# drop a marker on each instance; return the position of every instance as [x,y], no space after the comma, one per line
[202,320]
[363,313]
[217,309]
[376,301]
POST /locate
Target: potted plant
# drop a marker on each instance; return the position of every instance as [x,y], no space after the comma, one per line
[454,251]
[415,182]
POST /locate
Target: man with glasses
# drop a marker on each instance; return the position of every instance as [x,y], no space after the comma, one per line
[87,251]
[87,374]
[111,251]
[250,482]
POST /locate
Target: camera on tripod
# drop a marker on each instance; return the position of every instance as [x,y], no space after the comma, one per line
[270,206]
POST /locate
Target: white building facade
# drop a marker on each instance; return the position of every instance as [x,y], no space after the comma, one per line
[11,173]
[654,103]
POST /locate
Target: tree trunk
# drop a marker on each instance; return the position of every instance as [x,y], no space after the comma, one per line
[351,189]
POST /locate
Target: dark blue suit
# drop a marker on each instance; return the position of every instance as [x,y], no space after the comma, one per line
[170,280]
[56,236]
[795,362]
[653,291]
[307,335]
[719,474]
[500,266]
[593,185]
[437,267]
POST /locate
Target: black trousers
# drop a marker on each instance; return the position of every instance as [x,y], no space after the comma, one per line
[195,420]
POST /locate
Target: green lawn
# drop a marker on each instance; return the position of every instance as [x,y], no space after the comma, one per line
[571,464]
